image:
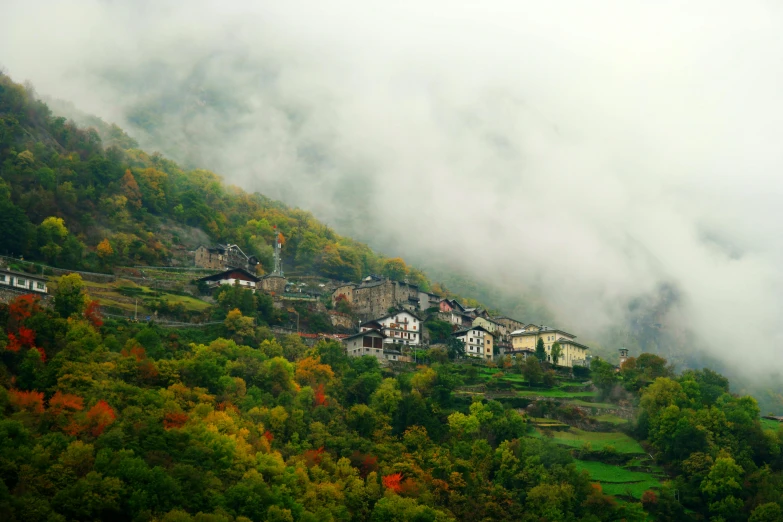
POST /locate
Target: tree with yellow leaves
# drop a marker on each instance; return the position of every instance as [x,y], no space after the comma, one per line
[104,250]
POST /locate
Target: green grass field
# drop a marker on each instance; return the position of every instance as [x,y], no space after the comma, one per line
[598,440]
[611,419]
[556,393]
[616,480]
[109,294]
[769,424]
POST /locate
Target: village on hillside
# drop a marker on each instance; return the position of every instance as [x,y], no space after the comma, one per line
[384,318]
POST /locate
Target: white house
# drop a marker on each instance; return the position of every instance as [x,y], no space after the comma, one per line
[478,341]
[231,277]
[369,342]
[22,281]
[399,328]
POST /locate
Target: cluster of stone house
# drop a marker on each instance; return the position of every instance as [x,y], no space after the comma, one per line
[375,295]
[482,335]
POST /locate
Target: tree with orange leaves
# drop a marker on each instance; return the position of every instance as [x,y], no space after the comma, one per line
[99,417]
[62,402]
[104,250]
[393,482]
[310,372]
[31,401]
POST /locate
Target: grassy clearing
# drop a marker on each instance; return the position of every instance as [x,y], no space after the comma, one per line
[616,480]
[597,405]
[598,440]
[556,393]
[769,424]
[611,419]
[631,489]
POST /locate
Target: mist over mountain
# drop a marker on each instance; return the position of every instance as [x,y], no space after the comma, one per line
[611,169]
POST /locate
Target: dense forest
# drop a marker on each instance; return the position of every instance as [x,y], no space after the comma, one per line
[117,420]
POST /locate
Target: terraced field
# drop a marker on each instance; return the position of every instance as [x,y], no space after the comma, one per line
[618,480]
[598,440]
[123,294]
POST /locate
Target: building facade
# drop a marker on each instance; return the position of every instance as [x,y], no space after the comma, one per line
[399,328]
[527,338]
[234,276]
[376,295]
[222,257]
[22,281]
[478,342]
[368,342]
[273,284]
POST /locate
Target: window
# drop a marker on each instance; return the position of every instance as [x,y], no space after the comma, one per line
[21,282]
[367,341]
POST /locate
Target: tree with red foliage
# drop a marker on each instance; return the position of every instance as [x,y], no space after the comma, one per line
[313,457]
[136,351]
[365,463]
[31,401]
[23,307]
[99,417]
[174,420]
[320,396]
[14,344]
[61,402]
[268,436]
[93,314]
[393,482]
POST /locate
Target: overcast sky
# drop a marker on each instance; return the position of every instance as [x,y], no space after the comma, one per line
[591,150]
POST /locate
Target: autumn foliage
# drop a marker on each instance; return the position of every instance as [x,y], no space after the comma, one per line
[313,457]
[65,401]
[320,395]
[31,401]
[99,417]
[174,420]
[393,482]
[93,314]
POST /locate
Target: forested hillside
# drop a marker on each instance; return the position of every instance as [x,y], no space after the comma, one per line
[65,192]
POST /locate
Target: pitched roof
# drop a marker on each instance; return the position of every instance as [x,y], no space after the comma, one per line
[362,334]
[22,274]
[466,330]
[571,341]
[226,273]
[395,314]
[544,329]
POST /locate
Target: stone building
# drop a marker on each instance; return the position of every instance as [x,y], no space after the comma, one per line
[376,295]
[273,284]
[222,257]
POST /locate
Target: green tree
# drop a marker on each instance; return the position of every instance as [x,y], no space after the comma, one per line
[556,353]
[455,347]
[70,297]
[532,371]
[540,350]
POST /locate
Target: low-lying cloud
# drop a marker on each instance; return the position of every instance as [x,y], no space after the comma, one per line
[611,157]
